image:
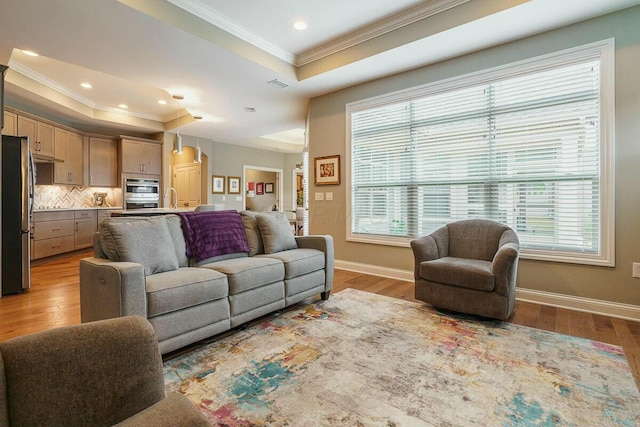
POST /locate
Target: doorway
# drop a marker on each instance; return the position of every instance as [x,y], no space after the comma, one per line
[187,179]
[263,188]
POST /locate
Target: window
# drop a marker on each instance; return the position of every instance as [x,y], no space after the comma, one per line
[528,145]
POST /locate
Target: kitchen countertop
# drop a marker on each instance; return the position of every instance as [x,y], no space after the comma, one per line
[150,211]
[78,209]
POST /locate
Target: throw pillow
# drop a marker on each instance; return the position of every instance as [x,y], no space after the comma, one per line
[251,229]
[276,231]
[146,242]
[175,230]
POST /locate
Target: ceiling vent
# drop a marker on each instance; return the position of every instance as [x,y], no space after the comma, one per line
[277,83]
[249,110]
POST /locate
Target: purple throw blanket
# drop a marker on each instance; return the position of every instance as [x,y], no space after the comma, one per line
[212,233]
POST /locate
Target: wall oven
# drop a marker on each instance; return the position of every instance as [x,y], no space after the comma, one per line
[140,193]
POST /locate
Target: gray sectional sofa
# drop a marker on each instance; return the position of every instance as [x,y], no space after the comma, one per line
[146,267]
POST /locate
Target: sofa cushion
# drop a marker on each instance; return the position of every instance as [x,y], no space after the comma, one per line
[251,229]
[182,288]
[299,261]
[461,272]
[147,242]
[175,229]
[276,232]
[248,273]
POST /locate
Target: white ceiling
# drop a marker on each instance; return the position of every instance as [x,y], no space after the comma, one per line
[220,54]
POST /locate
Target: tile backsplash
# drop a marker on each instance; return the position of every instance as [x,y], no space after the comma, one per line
[63,196]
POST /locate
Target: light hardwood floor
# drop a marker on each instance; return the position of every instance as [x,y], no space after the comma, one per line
[54,300]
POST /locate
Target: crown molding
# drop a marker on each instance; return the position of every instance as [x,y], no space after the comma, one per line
[402,19]
[424,10]
[55,86]
[201,10]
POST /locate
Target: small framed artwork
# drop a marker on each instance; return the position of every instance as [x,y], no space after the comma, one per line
[259,188]
[268,187]
[327,170]
[217,184]
[233,184]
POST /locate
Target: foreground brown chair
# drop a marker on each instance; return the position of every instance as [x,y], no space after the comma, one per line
[468,266]
[94,374]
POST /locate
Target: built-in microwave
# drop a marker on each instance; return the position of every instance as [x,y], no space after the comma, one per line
[139,193]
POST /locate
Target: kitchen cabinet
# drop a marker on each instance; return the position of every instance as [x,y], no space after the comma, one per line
[41,135]
[10,124]
[85,228]
[52,233]
[103,162]
[68,147]
[138,156]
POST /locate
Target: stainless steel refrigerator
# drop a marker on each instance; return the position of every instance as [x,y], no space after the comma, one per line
[18,179]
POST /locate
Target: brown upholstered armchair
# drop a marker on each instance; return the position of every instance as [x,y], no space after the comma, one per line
[94,374]
[468,266]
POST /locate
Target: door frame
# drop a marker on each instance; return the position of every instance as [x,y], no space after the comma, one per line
[279,175]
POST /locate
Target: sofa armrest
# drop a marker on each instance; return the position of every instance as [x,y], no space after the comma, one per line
[174,411]
[322,243]
[111,289]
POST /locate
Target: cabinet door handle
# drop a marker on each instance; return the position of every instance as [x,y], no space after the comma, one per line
[55,229]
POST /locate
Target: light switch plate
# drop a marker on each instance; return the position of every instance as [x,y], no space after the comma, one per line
[319,196]
[328,195]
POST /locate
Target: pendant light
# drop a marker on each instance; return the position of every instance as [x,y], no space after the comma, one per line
[197,158]
[177,145]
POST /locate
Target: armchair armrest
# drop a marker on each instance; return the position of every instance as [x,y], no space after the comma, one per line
[424,249]
[111,289]
[322,243]
[504,268]
[174,411]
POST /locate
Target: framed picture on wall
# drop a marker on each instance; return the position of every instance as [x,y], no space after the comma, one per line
[233,184]
[327,170]
[268,187]
[259,188]
[217,184]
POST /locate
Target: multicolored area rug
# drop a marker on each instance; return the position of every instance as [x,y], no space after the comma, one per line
[361,359]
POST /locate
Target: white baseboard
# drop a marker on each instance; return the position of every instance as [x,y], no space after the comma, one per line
[606,308]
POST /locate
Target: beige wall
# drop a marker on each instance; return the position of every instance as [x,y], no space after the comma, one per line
[327,135]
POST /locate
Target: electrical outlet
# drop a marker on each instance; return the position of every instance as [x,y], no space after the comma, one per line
[636,270]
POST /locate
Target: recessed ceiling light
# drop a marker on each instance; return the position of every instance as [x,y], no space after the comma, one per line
[162,102]
[29,53]
[123,106]
[86,85]
[300,25]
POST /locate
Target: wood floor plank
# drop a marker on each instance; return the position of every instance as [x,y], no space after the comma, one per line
[54,300]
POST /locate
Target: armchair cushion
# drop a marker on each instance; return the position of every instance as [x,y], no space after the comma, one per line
[464,273]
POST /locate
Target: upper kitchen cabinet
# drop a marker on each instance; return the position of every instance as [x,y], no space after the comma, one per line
[140,156]
[40,135]
[10,124]
[68,147]
[103,162]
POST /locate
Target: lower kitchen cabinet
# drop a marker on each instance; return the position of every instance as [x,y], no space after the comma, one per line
[57,232]
[53,233]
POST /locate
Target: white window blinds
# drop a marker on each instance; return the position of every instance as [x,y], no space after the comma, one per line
[524,150]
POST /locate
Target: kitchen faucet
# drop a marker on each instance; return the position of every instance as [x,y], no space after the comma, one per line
[175,192]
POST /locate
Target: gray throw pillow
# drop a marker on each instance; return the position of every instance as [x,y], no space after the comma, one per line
[251,229]
[174,222]
[146,242]
[276,231]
